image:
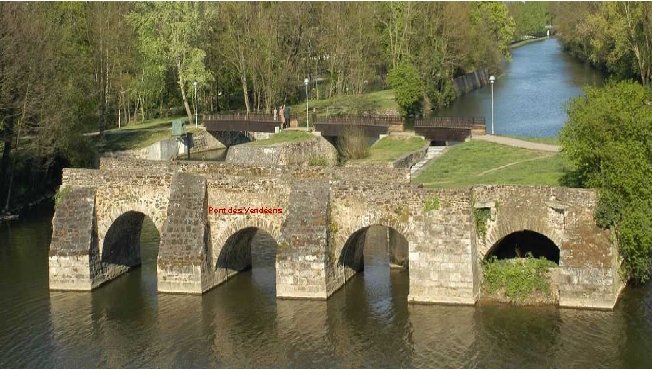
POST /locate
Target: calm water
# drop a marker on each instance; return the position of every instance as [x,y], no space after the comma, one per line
[367,324]
[531,96]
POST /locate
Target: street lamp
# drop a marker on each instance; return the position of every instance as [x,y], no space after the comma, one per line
[195,84]
[492,79]
[305,82]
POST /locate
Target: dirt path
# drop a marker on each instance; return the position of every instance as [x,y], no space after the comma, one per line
[518,143]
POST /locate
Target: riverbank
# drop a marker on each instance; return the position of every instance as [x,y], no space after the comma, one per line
[528,41]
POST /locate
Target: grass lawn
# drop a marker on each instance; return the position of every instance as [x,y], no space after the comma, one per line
[372,103]
[151,123]
[283,137]
[391,148]
[118,140]
[480,162]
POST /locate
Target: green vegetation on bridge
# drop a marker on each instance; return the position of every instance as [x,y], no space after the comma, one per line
[479,162]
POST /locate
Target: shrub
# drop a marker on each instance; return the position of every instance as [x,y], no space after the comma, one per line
[408,88]
[608,137]
[352,144]
[518,278]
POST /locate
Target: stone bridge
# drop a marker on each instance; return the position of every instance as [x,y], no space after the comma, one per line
[440,235]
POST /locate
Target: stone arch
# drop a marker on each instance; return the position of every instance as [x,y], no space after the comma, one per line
[235,254]
[521,243]
[112,203]
[351,255]
[120,249]
[221,234]
[341,236]
[346,251]
[499,230]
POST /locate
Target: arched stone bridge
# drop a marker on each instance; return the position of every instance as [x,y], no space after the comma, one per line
[99,214]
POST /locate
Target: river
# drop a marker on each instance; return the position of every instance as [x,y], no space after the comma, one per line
[530,97]
[240,324]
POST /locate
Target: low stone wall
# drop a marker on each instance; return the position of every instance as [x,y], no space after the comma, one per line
[290,153]
[408,160]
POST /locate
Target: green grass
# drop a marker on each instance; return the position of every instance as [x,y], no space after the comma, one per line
[391,148]
[546,140]
[480,162]
[283,137]
[379,102]
[151,123]
[118,140]
[517,279]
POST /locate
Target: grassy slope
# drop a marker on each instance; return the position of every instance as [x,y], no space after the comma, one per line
[118,140]
[372,103]
[479,162]
[392,148]
[283,137]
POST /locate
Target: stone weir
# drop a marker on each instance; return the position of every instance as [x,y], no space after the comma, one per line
[205,214]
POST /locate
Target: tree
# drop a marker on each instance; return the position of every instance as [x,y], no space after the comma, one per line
[408,88]
[608,137]
[169,35]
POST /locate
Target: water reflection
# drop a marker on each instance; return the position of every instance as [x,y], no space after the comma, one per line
[367,324]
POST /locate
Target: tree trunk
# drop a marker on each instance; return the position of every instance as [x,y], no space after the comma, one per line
[183,93]
[245,91]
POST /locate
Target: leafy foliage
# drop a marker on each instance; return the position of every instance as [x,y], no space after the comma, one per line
[481,218]
[517,278]
[609,138]
[408,88]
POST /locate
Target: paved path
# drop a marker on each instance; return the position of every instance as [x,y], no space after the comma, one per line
[518,143]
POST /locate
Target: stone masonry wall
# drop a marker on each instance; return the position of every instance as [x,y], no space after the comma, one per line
[588,256]
[73,236]
[182,257]
[322,208]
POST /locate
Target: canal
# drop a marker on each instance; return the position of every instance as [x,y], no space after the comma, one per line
[366,324]
[530,96]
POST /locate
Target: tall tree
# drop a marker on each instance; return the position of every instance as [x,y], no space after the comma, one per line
[169,35]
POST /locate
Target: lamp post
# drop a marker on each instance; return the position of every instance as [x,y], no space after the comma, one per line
[492,79]
[305,82]
[195,84]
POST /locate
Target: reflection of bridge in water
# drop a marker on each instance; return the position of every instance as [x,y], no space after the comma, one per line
[326,212]
[438,129]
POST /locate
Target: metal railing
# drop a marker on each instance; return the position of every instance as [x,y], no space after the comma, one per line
[449,122]
[372,120]
[254,117]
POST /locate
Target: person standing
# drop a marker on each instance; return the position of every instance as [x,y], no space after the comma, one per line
[286,112]
[281,115]
[275,114]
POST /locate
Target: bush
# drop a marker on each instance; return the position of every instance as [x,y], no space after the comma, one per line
[408,88]
[352,144]
[518,278]
[608,137]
